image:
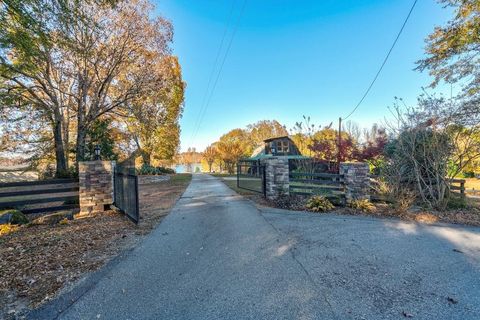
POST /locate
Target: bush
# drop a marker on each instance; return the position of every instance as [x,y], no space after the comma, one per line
[402,198]
[319,204]
[13,216]
[363,205]
[456,202]
[468,174]
[67,174]
[149,170]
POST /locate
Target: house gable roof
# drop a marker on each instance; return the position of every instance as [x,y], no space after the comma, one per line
[276,138]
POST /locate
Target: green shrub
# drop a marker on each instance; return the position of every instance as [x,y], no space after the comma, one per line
[166,170]
[468,174]
[456,202]
[149,170]
[14,216]
[319,204]
[363,205]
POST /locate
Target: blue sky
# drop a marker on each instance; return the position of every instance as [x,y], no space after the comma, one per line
[292,58]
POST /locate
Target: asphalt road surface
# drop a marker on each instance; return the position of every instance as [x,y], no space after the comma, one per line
[217,256]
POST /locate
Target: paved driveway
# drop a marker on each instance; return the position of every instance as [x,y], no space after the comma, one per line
[216,256]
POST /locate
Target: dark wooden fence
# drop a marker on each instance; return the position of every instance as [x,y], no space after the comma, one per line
[39,196]
[327,184]
[458,185]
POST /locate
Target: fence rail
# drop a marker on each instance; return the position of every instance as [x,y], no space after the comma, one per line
[458,185]
[328,184]
[40,196]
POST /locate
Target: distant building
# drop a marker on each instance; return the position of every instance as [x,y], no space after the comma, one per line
[278,146]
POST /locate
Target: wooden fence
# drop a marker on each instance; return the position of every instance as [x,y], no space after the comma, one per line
[39,196]
[327,184]
[458,185]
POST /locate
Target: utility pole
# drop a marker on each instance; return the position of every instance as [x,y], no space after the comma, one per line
[339,151]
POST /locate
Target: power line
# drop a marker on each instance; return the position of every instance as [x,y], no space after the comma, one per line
[212,73]
[221,66]
[384,61]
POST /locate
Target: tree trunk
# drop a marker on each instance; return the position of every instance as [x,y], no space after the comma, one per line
[66,137]
[146,157]
[80,149]
[59,149]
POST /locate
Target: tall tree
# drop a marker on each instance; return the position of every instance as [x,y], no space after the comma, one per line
[325,145]
[453,50]
[264,129]
[210,155]
[114,59]
[232,146]
[153,117]
[75,61]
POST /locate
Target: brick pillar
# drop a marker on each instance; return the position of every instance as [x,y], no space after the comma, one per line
[95,185]
[357,181]
[277,178]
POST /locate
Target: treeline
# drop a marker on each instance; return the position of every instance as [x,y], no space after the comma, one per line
[76,74]
[223,154]
[312,140]
[423,147]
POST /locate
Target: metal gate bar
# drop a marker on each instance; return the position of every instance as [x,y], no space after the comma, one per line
[251,176]
[125,193]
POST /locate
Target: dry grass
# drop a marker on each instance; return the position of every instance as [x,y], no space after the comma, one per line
[472,183]
[468,216]
[36,261]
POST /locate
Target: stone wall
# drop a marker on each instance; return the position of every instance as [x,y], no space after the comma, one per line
[357,181]
[95,185]
[277,177]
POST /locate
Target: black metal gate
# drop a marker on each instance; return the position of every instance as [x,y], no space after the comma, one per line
[251,176]
[125,192]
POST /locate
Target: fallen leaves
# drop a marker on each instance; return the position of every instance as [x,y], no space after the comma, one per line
[37,261]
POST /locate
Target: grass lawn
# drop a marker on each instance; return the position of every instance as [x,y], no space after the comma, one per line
[37,261]
[180,179]
[231,182]
[222,175]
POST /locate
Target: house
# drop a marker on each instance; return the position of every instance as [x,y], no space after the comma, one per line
[278,146]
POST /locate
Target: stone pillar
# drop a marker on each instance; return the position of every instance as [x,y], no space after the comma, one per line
[95,185]
[277,180]
[356,179]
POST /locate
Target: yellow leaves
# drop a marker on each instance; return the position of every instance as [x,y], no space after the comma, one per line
[8,228]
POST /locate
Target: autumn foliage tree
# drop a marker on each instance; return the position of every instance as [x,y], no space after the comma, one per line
[453,50]
[74,62]
[373,146]
[232,146]
[264,129]
[210,155]
[152,118]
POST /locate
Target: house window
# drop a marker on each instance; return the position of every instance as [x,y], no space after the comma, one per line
[282,146]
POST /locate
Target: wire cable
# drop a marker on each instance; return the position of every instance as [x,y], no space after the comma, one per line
[212,73]
[384,61]
[221,66]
